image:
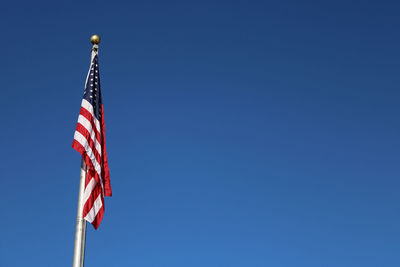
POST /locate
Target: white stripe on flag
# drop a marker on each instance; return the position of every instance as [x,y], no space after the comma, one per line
[89,107]
[82,140]
[94,210]
[88,190]
[88,126]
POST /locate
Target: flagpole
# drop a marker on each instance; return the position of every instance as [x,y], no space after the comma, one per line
[80,229]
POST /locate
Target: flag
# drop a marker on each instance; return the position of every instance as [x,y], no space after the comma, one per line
[89,141]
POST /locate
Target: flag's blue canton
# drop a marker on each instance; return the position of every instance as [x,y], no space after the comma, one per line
[92,89]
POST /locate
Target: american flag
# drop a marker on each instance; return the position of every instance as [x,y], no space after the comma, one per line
[89,141]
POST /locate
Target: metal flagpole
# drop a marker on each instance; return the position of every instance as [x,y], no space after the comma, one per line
[80,229]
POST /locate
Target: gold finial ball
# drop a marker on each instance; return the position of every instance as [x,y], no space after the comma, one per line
[95,39]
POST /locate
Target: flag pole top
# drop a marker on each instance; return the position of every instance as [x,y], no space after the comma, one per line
[95,39]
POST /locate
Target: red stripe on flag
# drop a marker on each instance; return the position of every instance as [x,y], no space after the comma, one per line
[78,147]
[80,128]
[89,205]
[99,217]
[85,113]
[105,169]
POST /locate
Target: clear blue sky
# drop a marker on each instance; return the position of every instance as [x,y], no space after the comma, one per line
[239,133]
